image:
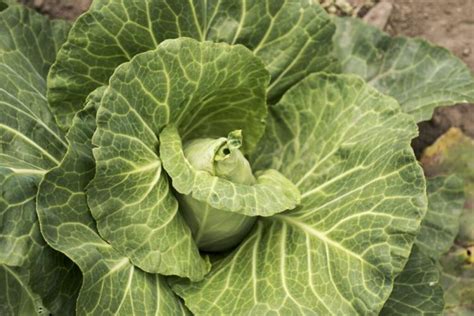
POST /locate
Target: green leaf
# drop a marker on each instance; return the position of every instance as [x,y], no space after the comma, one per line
[417,290]
[112,285]
[292,37]
[207,90]
[441,223]
[20,232]
[36,276]
[419,75]
[272,194]
[348,149]
[30,141]
[457,279]
[15,298]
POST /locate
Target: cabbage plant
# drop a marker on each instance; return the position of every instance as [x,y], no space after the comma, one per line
[233,157]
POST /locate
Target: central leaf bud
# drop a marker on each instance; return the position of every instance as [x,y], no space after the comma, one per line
[214,229]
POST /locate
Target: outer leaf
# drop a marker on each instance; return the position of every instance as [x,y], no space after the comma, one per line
[30,140]
[416,290]
[292,37]
[16,299]
[207,90]
[19,230]
[272,194]
[452,154]
[419,75]
[112,285]
[457,279]
[441,223]
[347,148]
[36,278]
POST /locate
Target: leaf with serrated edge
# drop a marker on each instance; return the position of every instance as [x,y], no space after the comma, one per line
[292,37]
[272,193]
[348,150]
[419,75]
[112,285]
[37,278]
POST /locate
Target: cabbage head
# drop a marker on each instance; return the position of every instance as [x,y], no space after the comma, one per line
[231,157]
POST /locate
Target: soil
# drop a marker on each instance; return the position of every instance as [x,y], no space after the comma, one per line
[448,23]
[64,9]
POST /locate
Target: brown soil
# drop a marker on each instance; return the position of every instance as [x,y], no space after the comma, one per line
[64,9]
[449,23]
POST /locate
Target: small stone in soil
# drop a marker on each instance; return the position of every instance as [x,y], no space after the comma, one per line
[378,16]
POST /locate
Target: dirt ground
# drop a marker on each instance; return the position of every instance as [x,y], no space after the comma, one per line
[65,9]
[449,23]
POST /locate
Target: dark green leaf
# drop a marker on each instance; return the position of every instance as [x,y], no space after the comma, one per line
[37,279]
[417,290]
[441,223]
[111,284]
